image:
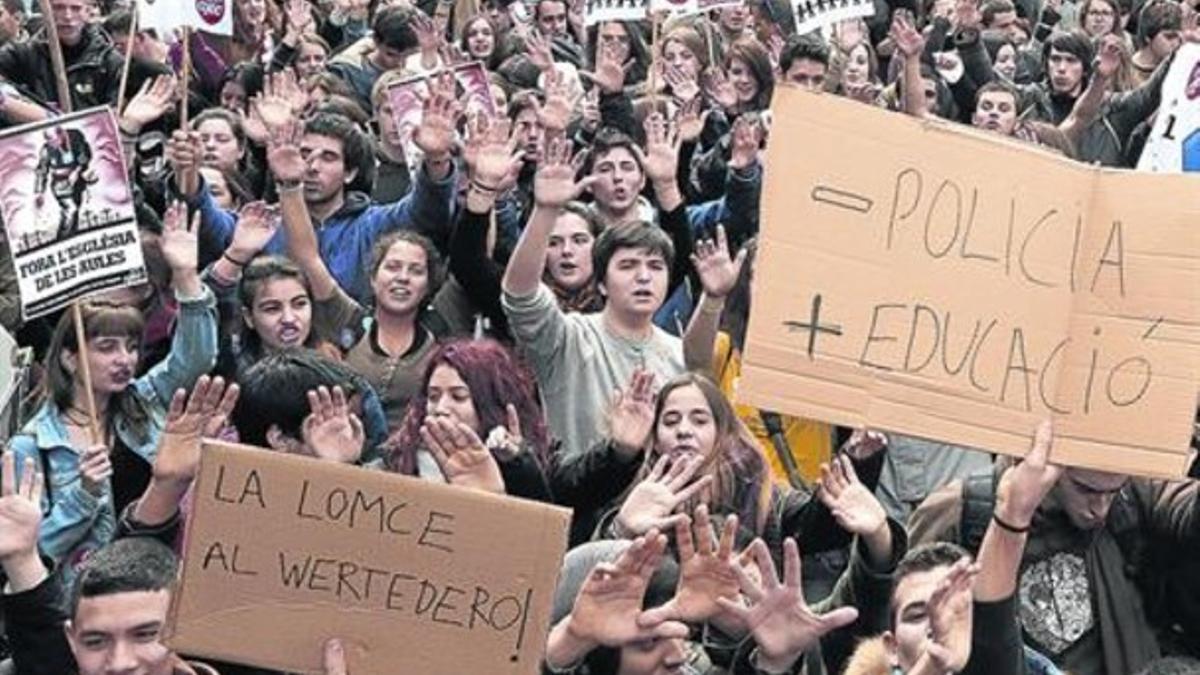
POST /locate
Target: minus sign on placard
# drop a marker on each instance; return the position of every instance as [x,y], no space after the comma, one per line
[841,199]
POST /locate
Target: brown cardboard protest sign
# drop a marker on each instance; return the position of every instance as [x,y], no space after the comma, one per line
[286,552]
[959,286]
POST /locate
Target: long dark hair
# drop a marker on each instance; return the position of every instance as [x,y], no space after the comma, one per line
[496,378]
[751,52]
[258,272]
[639,51]
[100,319]
[741,483]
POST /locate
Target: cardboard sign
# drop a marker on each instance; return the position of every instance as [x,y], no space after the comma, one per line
[597,11]
[284,553]
[816,14]
[68,210]
[1174,143]
[951,284]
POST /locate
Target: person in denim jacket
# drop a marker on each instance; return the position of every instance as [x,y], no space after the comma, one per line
[83,493]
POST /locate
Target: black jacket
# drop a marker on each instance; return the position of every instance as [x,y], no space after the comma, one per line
[93,69]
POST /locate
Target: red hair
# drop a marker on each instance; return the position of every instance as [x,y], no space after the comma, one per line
[496,378]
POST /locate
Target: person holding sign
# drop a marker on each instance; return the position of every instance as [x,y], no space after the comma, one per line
[476,423]
[91,477]
[93,67]
[1103,550]
[119,605]
[951,615]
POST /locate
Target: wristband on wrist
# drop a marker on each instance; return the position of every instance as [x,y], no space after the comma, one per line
[1009,526]
[287,185]
[233,261]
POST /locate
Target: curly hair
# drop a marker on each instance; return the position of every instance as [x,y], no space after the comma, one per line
[496,378]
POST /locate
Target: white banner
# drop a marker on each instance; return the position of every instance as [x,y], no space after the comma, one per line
[815,14]
[164,16]
[1174,144]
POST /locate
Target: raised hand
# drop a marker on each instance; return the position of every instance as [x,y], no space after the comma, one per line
[904,33]
[554,183]
[494,155]
[272,112]
[1108,56]
[20,507]
[608,610]
[555,113]
[538,51]
[183,151]
[256,225]
[718,272]
[429,37]
[189,419]
[852,504]
[95,468]
[706,574]
[684,88]
[506,442]
[179,241]
[690,120]
[590,110]
[435,135]
[331,432]
[780,621]
[609,74]
[1023,487]
[967,14]
[299,18]
[631,417]
[660,159]
[283,153]
[950,618]
[153,100]
[462,457]
[720,89]
[747,136]
[651,502]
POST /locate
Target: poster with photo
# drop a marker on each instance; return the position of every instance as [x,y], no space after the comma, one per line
[407,99]
[816,14]
[68,210]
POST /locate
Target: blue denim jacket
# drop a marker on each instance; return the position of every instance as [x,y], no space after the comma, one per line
[76,522]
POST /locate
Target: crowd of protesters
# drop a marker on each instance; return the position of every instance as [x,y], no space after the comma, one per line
[550,301]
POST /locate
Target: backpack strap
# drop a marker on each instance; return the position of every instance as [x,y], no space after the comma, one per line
[978,502]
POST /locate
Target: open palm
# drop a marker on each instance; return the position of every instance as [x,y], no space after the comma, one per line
[20,506]
[850,502]
[462,457]
[609,605]
[781,622]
